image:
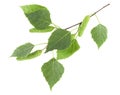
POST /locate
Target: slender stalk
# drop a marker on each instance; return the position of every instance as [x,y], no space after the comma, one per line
[99,10]
[97,19]
[40,44]
[90,16]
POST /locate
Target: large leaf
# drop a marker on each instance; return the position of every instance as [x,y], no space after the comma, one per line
[48,29]
[31,55]
[99,34]
[62,54]
[82,26]
[52,71]
[23,50]
[38,15]
[60,39]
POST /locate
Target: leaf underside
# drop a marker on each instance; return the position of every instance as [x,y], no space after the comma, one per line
[99,34]
[83,26]
[31,55]
[52,71]
[74,46]
[48,29]
[59,39]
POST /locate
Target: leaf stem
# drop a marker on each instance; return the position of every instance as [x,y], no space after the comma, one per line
[97,19]
[44,48]
[90,16]
[40,44]
[56,26]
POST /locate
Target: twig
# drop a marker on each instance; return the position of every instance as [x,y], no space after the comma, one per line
[90,16]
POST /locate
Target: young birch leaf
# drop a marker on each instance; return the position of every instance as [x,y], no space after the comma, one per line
[74,46]
[82,26]
[48,29]
[60,39]
[38,15]
[99,34]
[31,55]
[52,71]
[23,50]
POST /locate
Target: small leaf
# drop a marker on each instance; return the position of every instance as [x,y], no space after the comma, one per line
[52,71]
[60,39]
[48,29]
[82,26]
[31,55]
[23,50]
[62,54]
[38,15]
[99,34]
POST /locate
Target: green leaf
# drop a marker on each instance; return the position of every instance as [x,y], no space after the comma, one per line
[60,39]
[99,34]
[73,36]
[31,55]
[62,54]
[48,29]
[38,15]
[23,50]
[82,26]
[52,71]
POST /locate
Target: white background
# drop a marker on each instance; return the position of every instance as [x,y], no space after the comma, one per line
[88,72]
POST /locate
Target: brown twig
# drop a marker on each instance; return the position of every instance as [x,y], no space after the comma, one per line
[90,16]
